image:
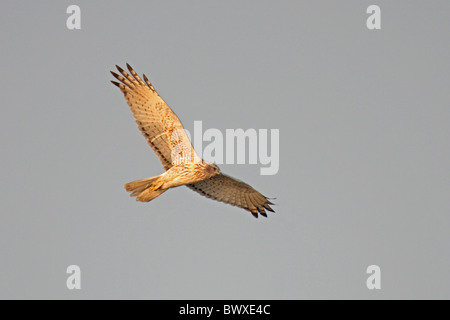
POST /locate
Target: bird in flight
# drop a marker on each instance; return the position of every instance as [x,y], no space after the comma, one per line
[166,136]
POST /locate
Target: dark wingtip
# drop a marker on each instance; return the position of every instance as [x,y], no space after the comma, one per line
[146,80]
[268,200]
[119,68]
[115,75]
[262,211]
[129,67]
[115,83]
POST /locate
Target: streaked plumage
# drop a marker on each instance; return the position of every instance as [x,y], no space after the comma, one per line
[166,136]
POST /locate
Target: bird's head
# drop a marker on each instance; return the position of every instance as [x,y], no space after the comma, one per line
[212,168]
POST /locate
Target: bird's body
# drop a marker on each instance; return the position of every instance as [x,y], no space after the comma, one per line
[166,136]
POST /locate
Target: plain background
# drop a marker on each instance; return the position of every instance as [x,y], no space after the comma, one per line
[364,149]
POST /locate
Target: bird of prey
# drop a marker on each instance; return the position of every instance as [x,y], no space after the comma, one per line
[165,134]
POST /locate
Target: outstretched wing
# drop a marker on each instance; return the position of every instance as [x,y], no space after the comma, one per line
[237,193]
[158,123]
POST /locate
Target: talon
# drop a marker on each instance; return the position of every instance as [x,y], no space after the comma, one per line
[156,186]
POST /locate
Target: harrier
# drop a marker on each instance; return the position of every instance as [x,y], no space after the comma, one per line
[166,136]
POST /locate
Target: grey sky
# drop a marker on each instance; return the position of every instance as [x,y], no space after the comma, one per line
[364,172]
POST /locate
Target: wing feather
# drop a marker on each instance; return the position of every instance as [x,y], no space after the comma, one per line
[157,122]
[232,191]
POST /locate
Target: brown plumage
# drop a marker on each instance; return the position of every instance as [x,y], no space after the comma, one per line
[166,136]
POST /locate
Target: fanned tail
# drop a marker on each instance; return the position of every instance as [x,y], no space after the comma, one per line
[145,190]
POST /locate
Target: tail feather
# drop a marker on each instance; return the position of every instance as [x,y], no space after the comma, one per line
[146,189]
[148,194]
